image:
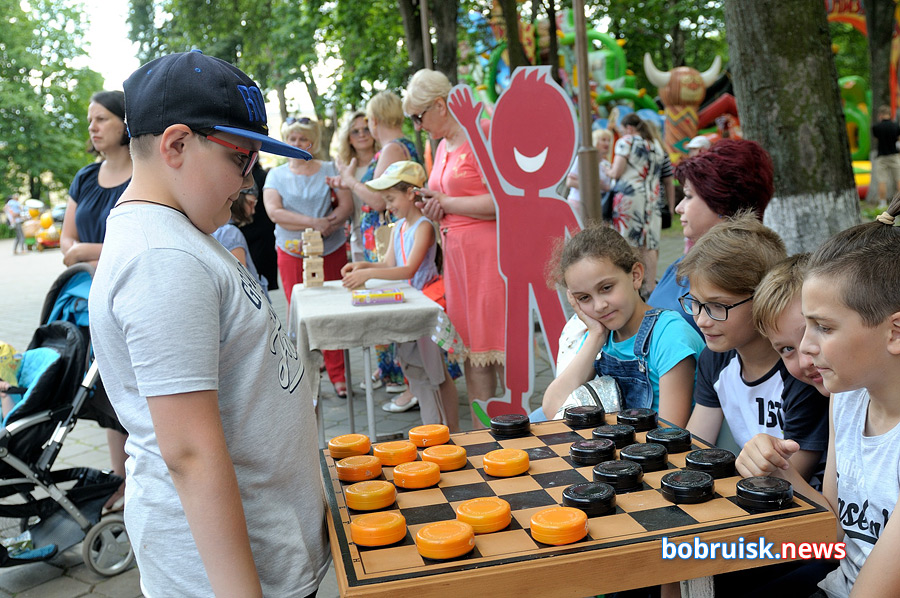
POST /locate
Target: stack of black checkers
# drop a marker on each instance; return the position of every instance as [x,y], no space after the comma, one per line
[651,457]
[764,493]
[594,498]
[623,476]
[621,434]
[592,451]
[719,463]
[511,425]
[687,486]
[587,416]
[640,419]
[676,440]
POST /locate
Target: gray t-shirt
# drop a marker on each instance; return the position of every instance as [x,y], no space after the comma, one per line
[173,312]
[231,237]
[308,195]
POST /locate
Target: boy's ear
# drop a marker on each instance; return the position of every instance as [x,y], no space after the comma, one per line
[894,340]
[172,145]
[637,275]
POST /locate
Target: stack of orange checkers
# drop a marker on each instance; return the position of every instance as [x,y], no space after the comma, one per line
[559,525]
[504,463]
[348,445]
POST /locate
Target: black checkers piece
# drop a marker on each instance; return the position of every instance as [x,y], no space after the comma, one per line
[688,487]
[676,440]
[623,476]
[593,451]
[764,493]
[651,457]
[594,498]
[584,416]
[510,425]
[621,434]
[639,418]
[719,463]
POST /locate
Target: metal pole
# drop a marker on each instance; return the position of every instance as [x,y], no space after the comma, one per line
[426,33]
[588,166]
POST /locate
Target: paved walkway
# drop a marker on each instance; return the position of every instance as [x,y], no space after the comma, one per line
[26,280]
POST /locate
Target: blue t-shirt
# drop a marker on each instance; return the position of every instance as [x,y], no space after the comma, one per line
[231,237]
[668,290]
[672,341]
[94,203]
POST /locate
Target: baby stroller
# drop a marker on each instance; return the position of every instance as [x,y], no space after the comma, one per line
[56,509]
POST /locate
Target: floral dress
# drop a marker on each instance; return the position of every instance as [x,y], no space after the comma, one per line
[636,214]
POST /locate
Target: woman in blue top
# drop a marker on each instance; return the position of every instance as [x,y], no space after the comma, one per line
[92,194]
[732,176]
[97,186]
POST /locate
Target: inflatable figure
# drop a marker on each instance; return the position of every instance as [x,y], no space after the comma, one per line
[681,91]
[530,149]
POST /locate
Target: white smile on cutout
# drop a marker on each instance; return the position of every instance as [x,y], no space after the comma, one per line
[532,164]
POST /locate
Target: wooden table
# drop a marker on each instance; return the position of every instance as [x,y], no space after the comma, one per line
[323,318]
[622,550]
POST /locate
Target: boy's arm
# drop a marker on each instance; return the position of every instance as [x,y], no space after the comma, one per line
[880,575]
[677,386]
[189,432]
[706,422]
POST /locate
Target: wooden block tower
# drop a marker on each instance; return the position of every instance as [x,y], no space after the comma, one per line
[313,265]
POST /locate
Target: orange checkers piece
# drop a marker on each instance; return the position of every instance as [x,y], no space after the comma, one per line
[378,529]
[395,453]
[348,445]
[559,525]
[486,514]
[358,468]
[417,474]
[448,456]
[371,495]
[445,539]
[429,435]
[504,463]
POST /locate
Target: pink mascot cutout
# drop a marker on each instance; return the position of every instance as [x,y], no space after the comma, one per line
[531,147]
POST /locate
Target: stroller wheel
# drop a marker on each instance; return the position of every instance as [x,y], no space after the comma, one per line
[106,549]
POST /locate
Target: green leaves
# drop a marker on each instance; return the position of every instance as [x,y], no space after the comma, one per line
[43,96]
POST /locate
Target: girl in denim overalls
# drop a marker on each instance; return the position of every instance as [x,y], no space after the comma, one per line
[650,352]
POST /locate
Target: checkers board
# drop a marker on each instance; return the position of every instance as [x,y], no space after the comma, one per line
[621,551]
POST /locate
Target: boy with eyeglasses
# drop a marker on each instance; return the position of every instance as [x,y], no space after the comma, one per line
[224,495]
[740,376]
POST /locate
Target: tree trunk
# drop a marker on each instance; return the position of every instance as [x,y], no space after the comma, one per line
[880,28]
[514,48]
[444,13]
[554,42]
[409,11]
[787,93]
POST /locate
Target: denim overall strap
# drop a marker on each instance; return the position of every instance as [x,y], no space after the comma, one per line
[632,375]
[642,338]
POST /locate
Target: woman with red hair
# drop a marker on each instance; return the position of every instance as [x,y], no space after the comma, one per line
[734,175]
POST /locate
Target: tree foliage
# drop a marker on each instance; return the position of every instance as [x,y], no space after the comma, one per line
[43,97]
[674,32]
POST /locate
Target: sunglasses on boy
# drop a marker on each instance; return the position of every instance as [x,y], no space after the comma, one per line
[252,155]
[715,311]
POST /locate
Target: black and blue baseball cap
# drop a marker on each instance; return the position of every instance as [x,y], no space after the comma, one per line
[201,92]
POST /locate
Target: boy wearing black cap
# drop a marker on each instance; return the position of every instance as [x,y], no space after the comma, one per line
[223,495]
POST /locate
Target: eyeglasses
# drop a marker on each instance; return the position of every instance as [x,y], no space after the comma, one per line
[252,155]
[715,311]
[417,118]
[359,132]
[303,120]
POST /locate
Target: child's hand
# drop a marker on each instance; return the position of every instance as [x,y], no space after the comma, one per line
[356,278]
[592,325]
[431,204]
[764,455]
[4,386]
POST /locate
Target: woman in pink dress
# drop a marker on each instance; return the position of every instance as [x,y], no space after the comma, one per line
[458,199]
